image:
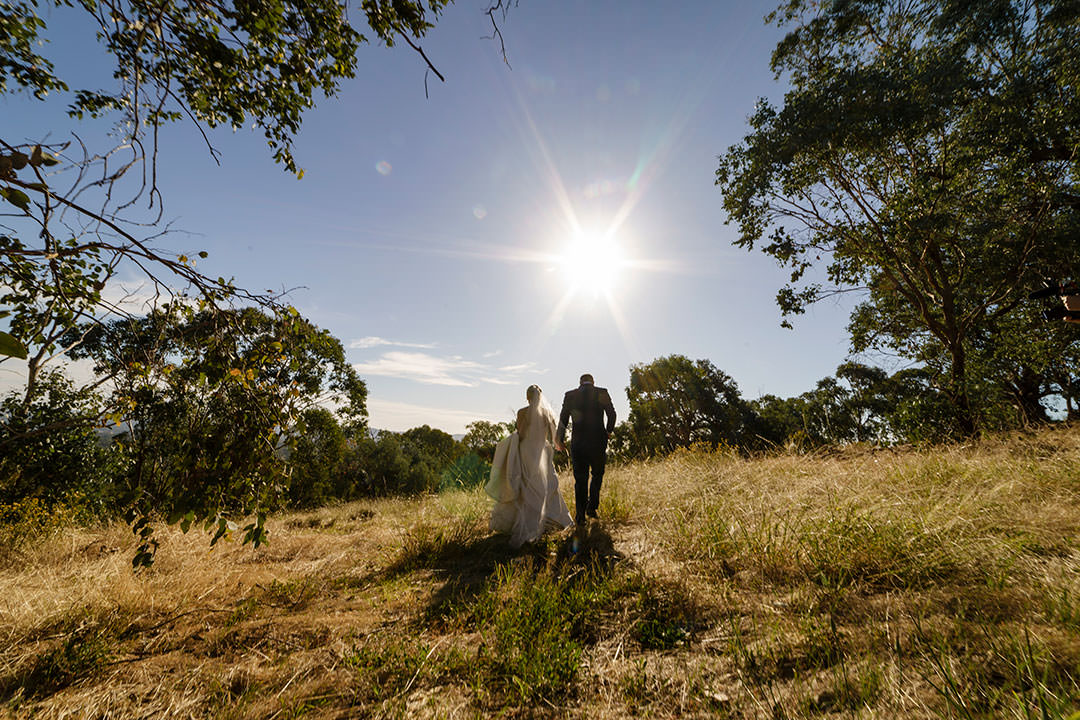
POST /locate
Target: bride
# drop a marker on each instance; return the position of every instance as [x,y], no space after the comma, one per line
[523,481]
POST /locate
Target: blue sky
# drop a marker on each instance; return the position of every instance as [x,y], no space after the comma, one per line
[432,234]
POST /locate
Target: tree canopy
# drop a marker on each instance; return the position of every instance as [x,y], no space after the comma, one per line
[926,156]
[72,221]
[676,402]
[210,402]
[208,376]
[224,63]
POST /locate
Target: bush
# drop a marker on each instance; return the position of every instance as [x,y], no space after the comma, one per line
[468,471]
[50,449]
[27,520]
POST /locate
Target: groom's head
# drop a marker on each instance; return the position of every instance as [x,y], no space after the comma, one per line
[586,379]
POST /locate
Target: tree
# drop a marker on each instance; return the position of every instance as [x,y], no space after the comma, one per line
[74,222]
[50,451]
[926,151]
[676,402]
[77,215]
[431,451]
[919,411]
[777,421]
[482,436]
[316,462]
[851,406]
[210,402]
[393,465]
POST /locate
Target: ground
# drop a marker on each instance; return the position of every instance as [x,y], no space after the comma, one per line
[935,582]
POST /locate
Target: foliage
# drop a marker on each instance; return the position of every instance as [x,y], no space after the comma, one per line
[859,404]
[468,471]
[75,219]
[25,521]
[316,461]
[234,63]
[50,450]
[676,402]
[210,401]
[482,436]
[434,444]
[926,151]
[419,460]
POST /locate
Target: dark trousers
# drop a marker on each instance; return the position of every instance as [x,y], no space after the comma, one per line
[587,494]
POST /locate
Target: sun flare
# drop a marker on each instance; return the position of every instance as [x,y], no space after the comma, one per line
[591,263]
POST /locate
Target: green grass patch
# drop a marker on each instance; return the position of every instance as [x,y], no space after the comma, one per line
[535,623]
[386,669]
[855,548]
[427,545]
[294,594]
[665,615]
[989,670]
[82,654]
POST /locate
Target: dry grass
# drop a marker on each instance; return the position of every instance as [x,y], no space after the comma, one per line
[864,583]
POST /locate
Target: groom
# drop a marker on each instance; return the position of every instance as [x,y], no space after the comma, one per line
[585,408]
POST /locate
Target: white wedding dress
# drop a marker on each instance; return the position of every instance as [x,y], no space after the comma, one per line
[523,482]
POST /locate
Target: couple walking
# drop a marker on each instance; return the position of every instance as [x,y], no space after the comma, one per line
[523,480]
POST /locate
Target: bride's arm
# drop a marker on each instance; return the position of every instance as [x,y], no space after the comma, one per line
[549,419]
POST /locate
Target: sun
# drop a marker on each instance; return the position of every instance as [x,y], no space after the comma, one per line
[591,263]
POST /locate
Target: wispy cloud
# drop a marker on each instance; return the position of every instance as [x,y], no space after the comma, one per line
[423,368]
[523,367]
[452,370]
[372,341]
[498,381]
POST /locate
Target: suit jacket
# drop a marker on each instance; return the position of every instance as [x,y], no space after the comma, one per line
[586,408]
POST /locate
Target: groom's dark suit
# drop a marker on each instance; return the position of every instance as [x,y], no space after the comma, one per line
[584,409]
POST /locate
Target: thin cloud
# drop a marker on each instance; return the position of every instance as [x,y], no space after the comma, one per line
[523,367]
[423,368]
[454,370]
[374,341]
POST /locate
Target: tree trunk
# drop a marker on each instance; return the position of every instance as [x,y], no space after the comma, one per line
[33,365]
[965,414]
[1026,388]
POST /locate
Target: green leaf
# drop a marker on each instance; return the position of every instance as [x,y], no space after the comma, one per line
[16,197]
[11,347]
[222,528]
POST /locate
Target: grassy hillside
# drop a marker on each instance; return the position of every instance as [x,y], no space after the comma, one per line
[935,583]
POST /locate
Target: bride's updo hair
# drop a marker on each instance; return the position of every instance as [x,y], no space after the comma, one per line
[532,393]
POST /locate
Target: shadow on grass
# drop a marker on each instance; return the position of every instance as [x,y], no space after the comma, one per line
[467,558]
